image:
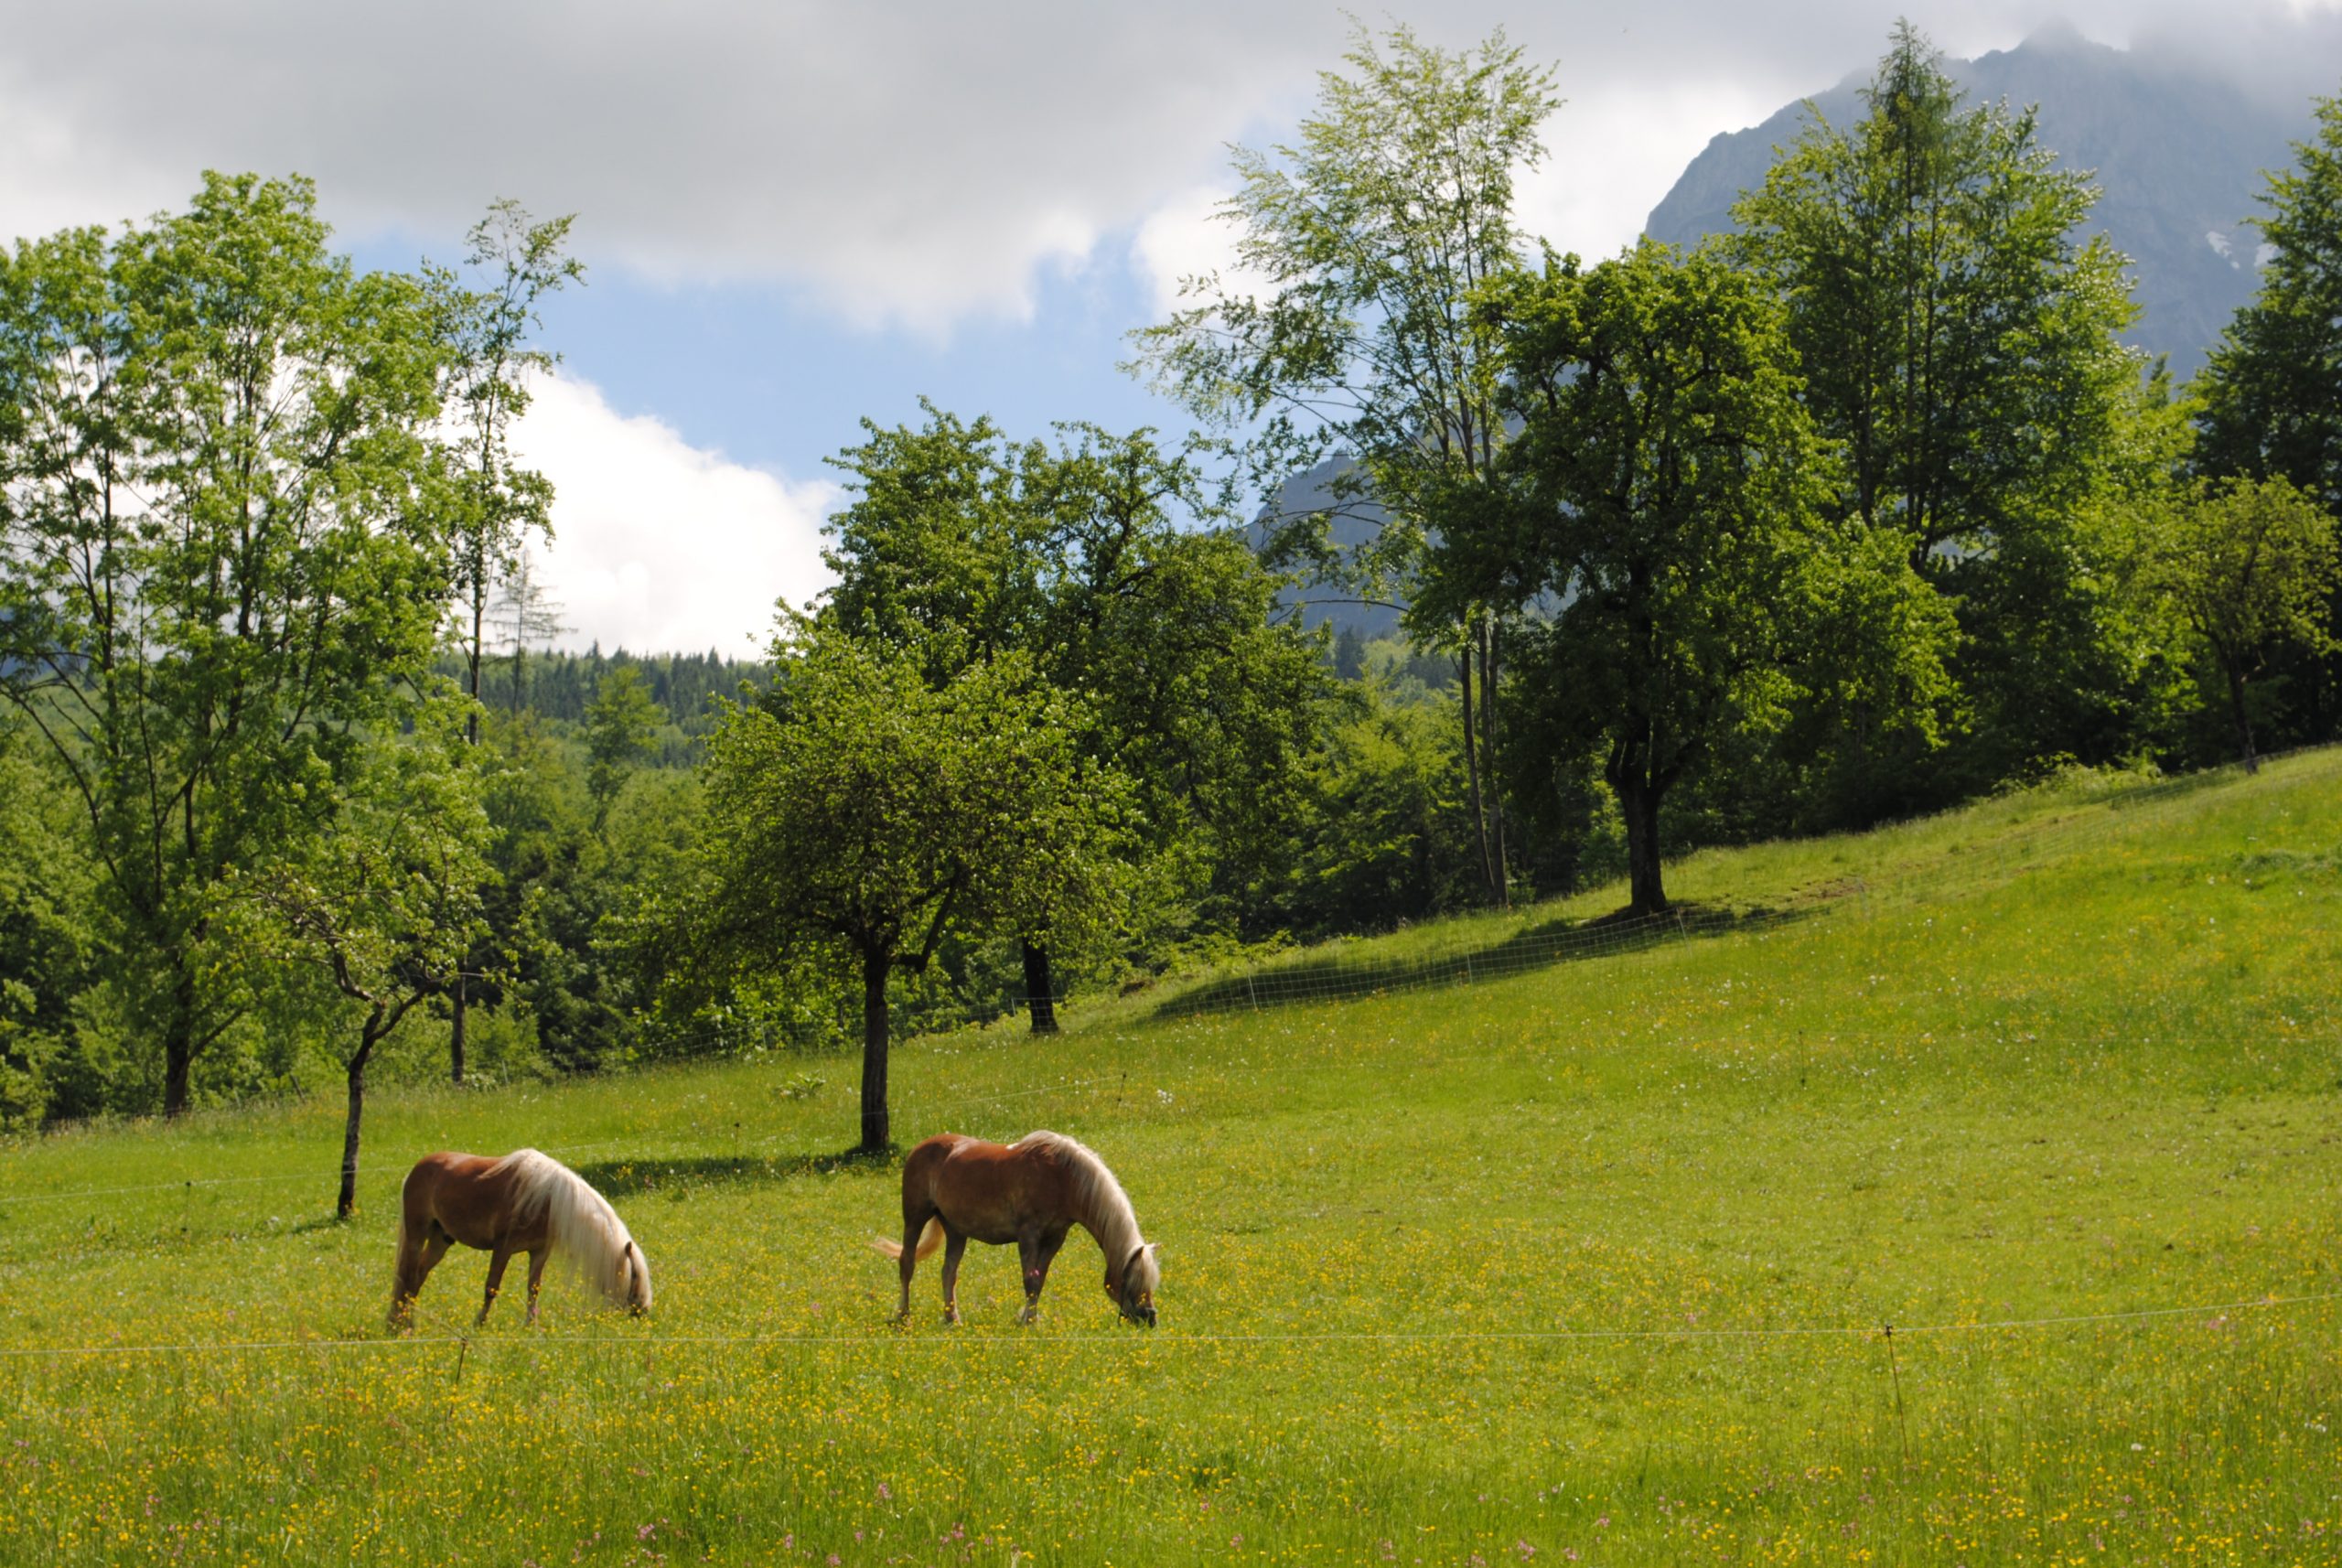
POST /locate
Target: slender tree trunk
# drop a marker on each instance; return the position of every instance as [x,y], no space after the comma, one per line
[1503,860]
[472,662]
[876,1135]
[2235,672]
[1040,995]
[178,1043]
[1639,804]
[345,1204]
[455,1031]
[1472,761]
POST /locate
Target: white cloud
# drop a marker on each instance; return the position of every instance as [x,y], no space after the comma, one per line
[1612,153]
[1184,237]
[918,161]
[658,545]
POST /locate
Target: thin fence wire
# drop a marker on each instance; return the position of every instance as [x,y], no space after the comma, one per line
[2213,1312]
[914,1105]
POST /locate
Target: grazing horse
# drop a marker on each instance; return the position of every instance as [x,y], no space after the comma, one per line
[1030,1192]
[525,1202]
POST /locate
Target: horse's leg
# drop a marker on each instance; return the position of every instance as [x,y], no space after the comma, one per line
[408,1278]
[914,1221]
[954,1243]
[1028,1255]
[434,1247]
[1051,1243]
[538,1257]
[502,1255]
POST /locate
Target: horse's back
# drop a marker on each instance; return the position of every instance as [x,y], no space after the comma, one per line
[984,1189]
[462,1194]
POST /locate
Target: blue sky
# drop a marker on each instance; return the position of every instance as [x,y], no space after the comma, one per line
[799,212]
[783,383]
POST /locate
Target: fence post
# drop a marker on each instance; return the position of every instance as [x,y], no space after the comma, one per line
[1902,1425]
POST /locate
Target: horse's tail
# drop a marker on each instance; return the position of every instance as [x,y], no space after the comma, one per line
[928,1240]
[586,1233]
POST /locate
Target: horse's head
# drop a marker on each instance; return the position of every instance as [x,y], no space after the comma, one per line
[638,1279]
[1134,1292]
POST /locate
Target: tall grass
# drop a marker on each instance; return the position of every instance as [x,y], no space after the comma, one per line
[1593,1263]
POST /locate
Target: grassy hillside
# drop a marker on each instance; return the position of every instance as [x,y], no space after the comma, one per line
[1589,1261]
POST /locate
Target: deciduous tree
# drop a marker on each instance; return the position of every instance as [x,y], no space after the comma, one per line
[1350,329]
[2248,565]
[221,545]
[386,906]
[862,810]
[961,547]
[1664,509]
[1956,330]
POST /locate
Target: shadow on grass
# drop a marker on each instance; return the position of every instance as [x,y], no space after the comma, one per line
[1548,945]
[623,1179]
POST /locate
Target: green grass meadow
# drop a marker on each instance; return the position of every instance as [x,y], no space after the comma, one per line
[1587,1263]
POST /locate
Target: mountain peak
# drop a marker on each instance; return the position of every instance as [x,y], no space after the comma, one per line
[2058,36]
[2177,154]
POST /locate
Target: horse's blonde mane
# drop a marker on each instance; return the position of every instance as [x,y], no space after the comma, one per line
[1099,1201]
[587,1233]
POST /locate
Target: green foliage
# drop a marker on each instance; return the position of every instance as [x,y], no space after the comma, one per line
[959,547]
[861,810]
[46,940]
[688,689]
[2273,391]
[1351,331]
[621,729]
[2248,566]
[223,542]
[1389,838]
[387,908]
[1957,335]
[2272,394]
[1664,507]
[1350,327]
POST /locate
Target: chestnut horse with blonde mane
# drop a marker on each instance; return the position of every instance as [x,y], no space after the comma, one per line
[524,1202]
[1031,1192]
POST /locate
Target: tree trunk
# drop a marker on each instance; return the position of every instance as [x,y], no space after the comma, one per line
[178,1044]
[472,656]
[1639,804]
[875,1136]
[2243,718]
[1472,760]
[456,1034]
[1503,860]
[345,1204]
[1040,996]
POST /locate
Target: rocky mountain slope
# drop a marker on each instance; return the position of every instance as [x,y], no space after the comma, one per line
[2178,153]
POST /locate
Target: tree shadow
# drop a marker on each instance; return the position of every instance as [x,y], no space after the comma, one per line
[687,1173]
[1547,945]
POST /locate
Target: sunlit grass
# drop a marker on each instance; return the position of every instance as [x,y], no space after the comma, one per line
[1588,1264]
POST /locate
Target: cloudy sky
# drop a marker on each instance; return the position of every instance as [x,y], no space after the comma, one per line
[798,215]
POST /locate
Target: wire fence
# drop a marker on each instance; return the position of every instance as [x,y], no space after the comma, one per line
[2211,1315]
